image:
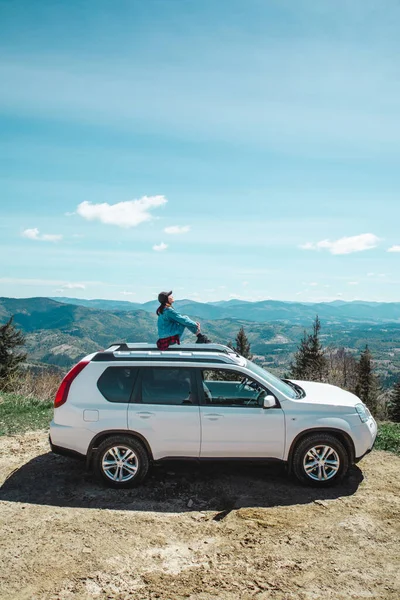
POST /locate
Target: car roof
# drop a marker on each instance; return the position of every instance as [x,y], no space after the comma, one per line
[142,352]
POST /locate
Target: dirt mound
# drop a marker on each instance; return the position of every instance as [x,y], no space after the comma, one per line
[211,532]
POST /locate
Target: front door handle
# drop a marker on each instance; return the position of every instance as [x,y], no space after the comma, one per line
[145,415]
[213,416]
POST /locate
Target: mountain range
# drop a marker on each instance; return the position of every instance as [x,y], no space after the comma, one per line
[60,333]
[303,313]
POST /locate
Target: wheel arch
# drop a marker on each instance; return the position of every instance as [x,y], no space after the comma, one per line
[103,435]
[339,434]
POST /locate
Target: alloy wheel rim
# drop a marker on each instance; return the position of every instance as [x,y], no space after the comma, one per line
[120,464]
[321,463]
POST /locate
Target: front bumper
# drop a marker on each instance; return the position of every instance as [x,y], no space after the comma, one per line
[369,438]
[365,454]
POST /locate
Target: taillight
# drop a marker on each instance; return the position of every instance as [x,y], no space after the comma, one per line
[62,393]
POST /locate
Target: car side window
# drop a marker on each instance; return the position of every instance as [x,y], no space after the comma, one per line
[168,385]
[116,383]
[223,387]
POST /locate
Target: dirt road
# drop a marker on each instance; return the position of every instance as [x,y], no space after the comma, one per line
[214,532]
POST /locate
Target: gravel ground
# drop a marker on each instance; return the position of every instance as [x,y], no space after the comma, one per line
[209,532]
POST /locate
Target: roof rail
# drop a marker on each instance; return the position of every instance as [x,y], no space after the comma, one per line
[140,347]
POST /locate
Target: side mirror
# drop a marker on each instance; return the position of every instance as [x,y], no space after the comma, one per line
[269,402]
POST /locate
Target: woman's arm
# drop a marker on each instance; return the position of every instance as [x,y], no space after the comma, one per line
[182,319]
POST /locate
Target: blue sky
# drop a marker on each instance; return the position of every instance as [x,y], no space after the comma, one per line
[222,149]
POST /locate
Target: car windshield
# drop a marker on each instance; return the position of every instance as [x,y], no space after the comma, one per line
[277,383]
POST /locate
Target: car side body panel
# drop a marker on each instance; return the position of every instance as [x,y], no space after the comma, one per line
[196,430]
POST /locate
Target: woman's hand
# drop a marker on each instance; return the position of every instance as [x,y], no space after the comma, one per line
[198,327]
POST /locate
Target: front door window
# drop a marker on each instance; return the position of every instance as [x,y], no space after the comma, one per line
[223,387]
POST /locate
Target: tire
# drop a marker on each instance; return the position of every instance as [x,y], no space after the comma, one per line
[127,472]
[320,460]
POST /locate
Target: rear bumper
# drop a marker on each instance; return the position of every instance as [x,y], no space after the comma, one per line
[66,451]
[70,437]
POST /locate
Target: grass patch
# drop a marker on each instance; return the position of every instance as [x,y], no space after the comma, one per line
[19,414]
[388,437]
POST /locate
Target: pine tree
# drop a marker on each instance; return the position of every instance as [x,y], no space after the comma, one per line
[299,369]
[310,362]
[10,356]
[367,382]
[394,403]
[243,345]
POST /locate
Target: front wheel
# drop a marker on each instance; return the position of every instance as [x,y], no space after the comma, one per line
[121,462]
[320,460]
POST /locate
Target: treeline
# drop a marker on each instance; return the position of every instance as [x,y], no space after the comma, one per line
[14,377]
[312,362]
[338,366]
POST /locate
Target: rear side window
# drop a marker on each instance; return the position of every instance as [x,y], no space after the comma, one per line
[167,385]
[116,383]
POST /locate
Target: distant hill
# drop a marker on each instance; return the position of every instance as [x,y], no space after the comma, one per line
[59,333]
[100,303]
[337,311]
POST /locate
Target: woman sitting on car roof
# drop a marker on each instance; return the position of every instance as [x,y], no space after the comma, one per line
[171,324]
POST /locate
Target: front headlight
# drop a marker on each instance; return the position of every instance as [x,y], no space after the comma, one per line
[363,412]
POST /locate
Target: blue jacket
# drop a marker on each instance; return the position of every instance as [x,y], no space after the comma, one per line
[171,323]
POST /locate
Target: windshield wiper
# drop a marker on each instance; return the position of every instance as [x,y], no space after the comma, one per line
[300,393]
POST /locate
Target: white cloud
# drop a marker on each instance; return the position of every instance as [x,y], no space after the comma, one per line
[394,249]
[128,293]
[245,283]
[345,245]
[74,286]
[370,274]
[78,235]
[18,281]
[61,284]
[352,283]
[123,214]
[69,214]
[33,234]
[160,247]
[307,246]
[177,230]
[314,284]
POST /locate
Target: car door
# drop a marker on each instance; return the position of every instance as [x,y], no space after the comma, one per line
[233,421]
[165,411]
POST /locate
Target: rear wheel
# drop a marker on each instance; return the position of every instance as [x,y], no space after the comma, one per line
[320,460]
[121,462]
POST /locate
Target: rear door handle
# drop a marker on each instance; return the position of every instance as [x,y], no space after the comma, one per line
[145,415]
[213,416]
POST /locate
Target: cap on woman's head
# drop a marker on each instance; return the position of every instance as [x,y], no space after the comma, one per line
[163,297]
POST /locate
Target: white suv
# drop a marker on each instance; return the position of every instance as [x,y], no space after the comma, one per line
[132,404]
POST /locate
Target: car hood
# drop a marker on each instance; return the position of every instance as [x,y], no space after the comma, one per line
[324,393]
